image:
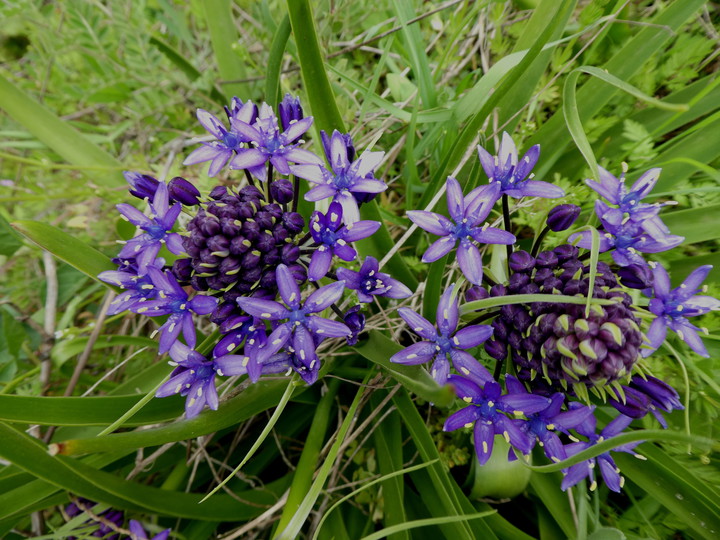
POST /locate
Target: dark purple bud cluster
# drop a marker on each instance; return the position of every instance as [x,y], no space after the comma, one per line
[559,341]
[235,243]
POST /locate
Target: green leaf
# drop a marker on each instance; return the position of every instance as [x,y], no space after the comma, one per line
[572,114]
[305,470]
[180,62]
[10,241]
[66,349]
[277,50]
[253,400]
[67,248]
[379,348]
[688,498]
[84,411]
[607,533]
[60,136]
[89,482]
[425,523]
[224,38]
[261,438]
[317,86]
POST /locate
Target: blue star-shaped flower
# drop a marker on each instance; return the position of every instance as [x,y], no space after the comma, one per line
[301,323]
[509,176]
[193,377]
[485,411]
[333,238]
[269,144]
[369,282]
[158,229]
[672,307]
[444,341]
[228,141]
[467,213]
[345,177]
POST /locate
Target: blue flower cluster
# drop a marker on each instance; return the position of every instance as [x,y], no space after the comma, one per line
[554,362]
[244,247]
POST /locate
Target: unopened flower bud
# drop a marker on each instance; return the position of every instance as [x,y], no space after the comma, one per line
[355,321]
[289,111]
[142,186]
[562,217]
[184,192]
[636,276]
[476,293]
[521,261]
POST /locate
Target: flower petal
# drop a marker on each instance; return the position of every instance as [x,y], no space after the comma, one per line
[447,314]
[360,229]
[692,283]
[324,297]
[536,188]
[431,222]
[288,287]
[312,173]
[439,249]
[417,353]
[419,324]
[469,367]
[646,182]
[455,199]
[327,328]
[267,310]
[319,263]
[484,436]
[472,336]
[351,212]
[247,158]
[492,235]
[465,417]
[470,262]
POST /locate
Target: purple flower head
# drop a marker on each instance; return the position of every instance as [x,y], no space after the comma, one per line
[627,202]
[184,192]
[172,300]
[142,186]
[443,341]
[333,238]
[541,425]
[137,529]
[289,111]
[228,142]
[511,177]
[193,377]
[145,247]
[269,144]
[466,213]
[608,469]
[301,324]
[345,176]
[138,289]
[486,411]
[672,307]
[628,240]
[368,282]
[354,319]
